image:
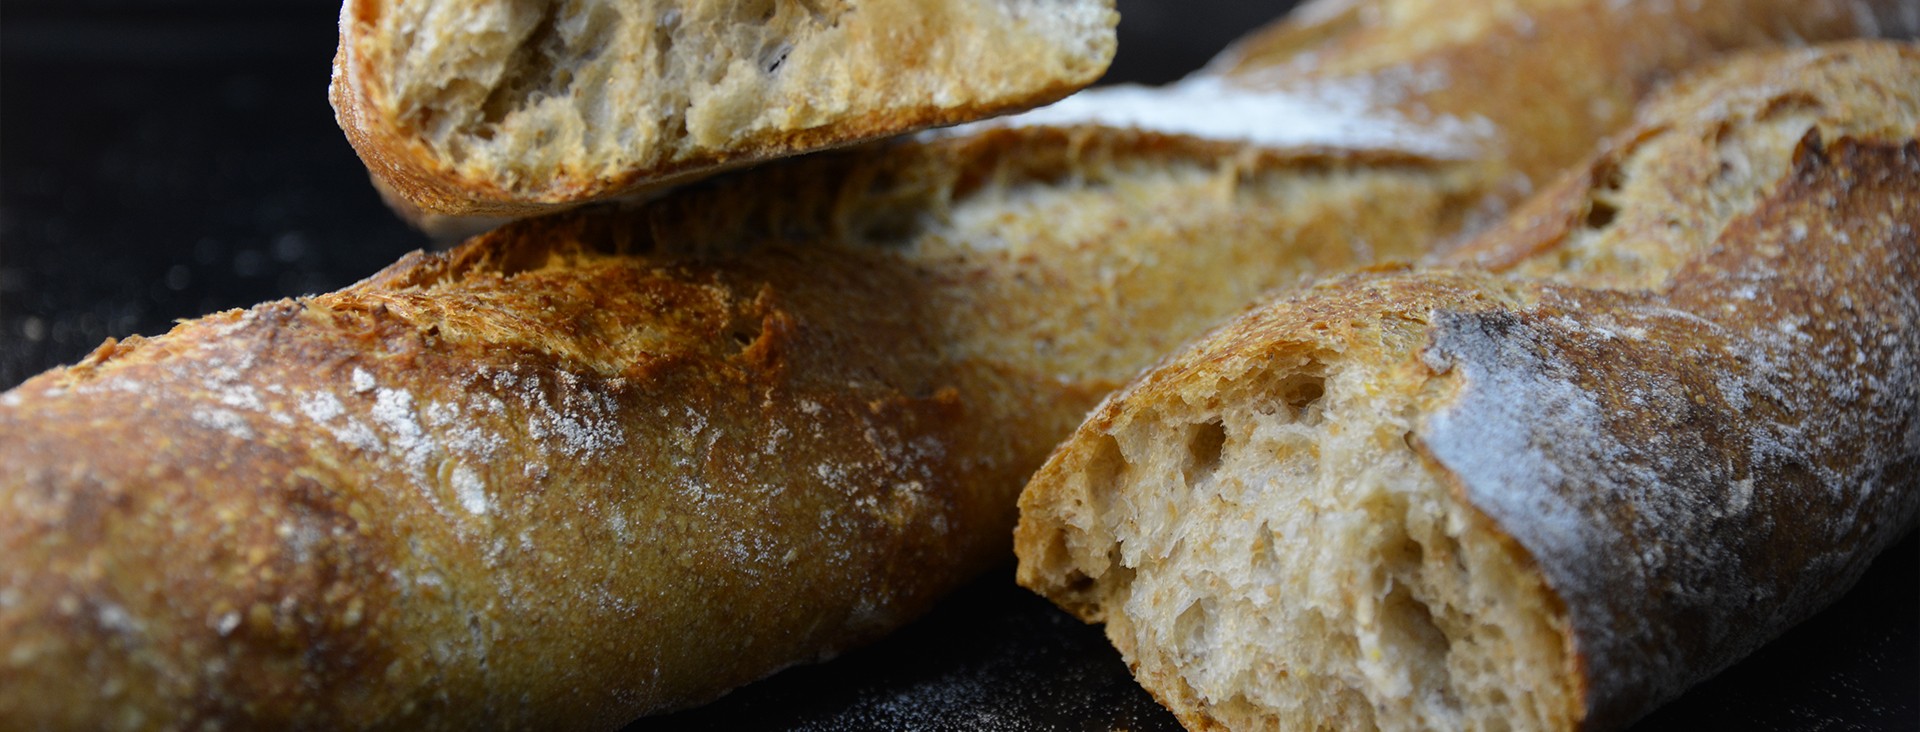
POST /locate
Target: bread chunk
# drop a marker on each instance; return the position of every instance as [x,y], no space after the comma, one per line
[1676,419]
[512,107]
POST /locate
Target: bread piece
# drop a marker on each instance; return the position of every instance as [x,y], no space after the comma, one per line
[513,107]
[570,473]
[584,468]
[1538,80]
[1452,499]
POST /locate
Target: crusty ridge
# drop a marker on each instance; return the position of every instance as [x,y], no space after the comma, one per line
[1547,503]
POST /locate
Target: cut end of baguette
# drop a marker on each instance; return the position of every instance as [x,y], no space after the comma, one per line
[1277,555]
[495,106]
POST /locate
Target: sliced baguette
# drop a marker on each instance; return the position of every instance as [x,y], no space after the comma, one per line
[1452,499]
[503,108]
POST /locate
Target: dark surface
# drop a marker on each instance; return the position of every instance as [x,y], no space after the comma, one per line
[995,657]
[162,160]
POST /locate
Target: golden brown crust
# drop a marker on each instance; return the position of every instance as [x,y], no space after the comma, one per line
[411,488]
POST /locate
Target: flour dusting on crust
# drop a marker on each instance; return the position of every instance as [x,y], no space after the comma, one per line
[1650,477]
[1339,116]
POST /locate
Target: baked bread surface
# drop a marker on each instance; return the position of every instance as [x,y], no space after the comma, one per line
[1676,419]
[505,108]
[619,461]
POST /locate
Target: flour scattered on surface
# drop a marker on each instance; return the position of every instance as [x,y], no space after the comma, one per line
[585,420]
[224,420]
[471,490]
[362,381]
[617,521]
[321,406]
[1341,116]
[227,623]
[241,396]
[116,618]
[464,434]
[393,410]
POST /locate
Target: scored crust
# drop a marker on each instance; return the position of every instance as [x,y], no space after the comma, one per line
[504,109]
[1680,421]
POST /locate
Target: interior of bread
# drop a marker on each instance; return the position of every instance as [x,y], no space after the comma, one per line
[1280,558]
[521,92]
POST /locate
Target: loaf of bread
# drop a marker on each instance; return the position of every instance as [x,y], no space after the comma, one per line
[1681,413]
[509,108]
[599,465]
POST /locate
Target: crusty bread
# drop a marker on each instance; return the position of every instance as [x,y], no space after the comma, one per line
[1680,417]
[593,466]
[1551,76]
[514,107]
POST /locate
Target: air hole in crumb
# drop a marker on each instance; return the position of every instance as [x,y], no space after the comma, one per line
[747,13]
[1408,556]
[1303,394]
[1106,471]
[1236,707]
[1266,556]
[530,67]
[1600,214]
[772,58]
[1606,178]
[1190,630]
[1411,629]
[1450,551]
[1204,444]
[1078,583]
[824,13]
[1497,699]
[663,31]
[1118,573]
[1103,471]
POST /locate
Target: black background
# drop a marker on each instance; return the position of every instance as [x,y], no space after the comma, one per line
[165,159]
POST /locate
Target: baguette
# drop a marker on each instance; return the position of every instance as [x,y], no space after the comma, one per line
[492,108]
[1678,416]
[616,462]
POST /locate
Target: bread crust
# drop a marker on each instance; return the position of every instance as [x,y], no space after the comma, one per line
[1693,430]
[526,484]
[1606,57]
